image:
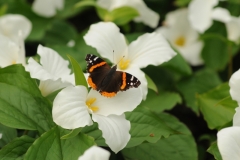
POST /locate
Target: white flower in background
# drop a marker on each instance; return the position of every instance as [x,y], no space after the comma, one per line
[53,72]
[47,8]
[12,24]
[148,49]
[0,135]
[200,14]
[232,23]
[9,52]
[95,153]
[178,31]
[229,138]
[17,28]
[146,15]
[73,105]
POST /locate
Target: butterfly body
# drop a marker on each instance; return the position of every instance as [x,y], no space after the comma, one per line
[108,81]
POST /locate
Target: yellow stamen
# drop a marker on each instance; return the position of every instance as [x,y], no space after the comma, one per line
[94,109]
[123,64]
[180,41]
[14,62]
[89,103]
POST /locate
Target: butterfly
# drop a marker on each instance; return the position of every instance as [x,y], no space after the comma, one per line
[108,81]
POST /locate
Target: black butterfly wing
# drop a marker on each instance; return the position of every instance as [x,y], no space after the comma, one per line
[128,81]
[97,68]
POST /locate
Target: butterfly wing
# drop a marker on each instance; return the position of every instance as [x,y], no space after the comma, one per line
[97,68]
[128,81]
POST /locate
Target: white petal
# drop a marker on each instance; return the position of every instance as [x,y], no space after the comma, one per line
[107,39]
[37,71]
[221,14]
[9,52]
[95,153]
[200,14]
[236,117]
[49,86]
[115,130]
[0,135]
[234,86]
[47,8]
[150,48]
[53,62]
[141,77]
[147,16]
[192,53]
[233,30]
[53,65]
[229,143]
[123,102]
[70,109]
[11,24]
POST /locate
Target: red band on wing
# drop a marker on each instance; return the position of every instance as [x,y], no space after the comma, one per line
[124,79]
[90,82]
[97,65]
[108,94]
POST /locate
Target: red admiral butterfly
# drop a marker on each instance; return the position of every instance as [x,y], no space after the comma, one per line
[108,81]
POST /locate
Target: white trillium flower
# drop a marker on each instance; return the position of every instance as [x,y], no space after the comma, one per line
[178,31]
[47,8]
[95,153]
[229,143]
[234,84]
[73,105]
[232,23]
[200,14]
[12,24]
[148,49]
[231,136]
[9,52]
[146,15]
[16,27]
[53,72]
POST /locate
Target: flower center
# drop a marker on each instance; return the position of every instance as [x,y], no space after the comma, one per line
[14,62]
[180,41]
[89,103]
[123,64]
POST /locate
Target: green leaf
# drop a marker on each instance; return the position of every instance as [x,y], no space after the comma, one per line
[46,147]
[16,148]
[213,149]
[21,104]
[161,101]
[8,134]
[151,84]
[215,50]
[216,111]
[202,81]
[55,35]
[175,147]
[73,133]
[178,65]
[70,10]
[123,15]
[144,124]
[79,76]
[50,146]
[3,9]
[181,3]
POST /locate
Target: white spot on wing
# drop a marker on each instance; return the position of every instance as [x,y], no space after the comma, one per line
[95,58]
[132,78]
